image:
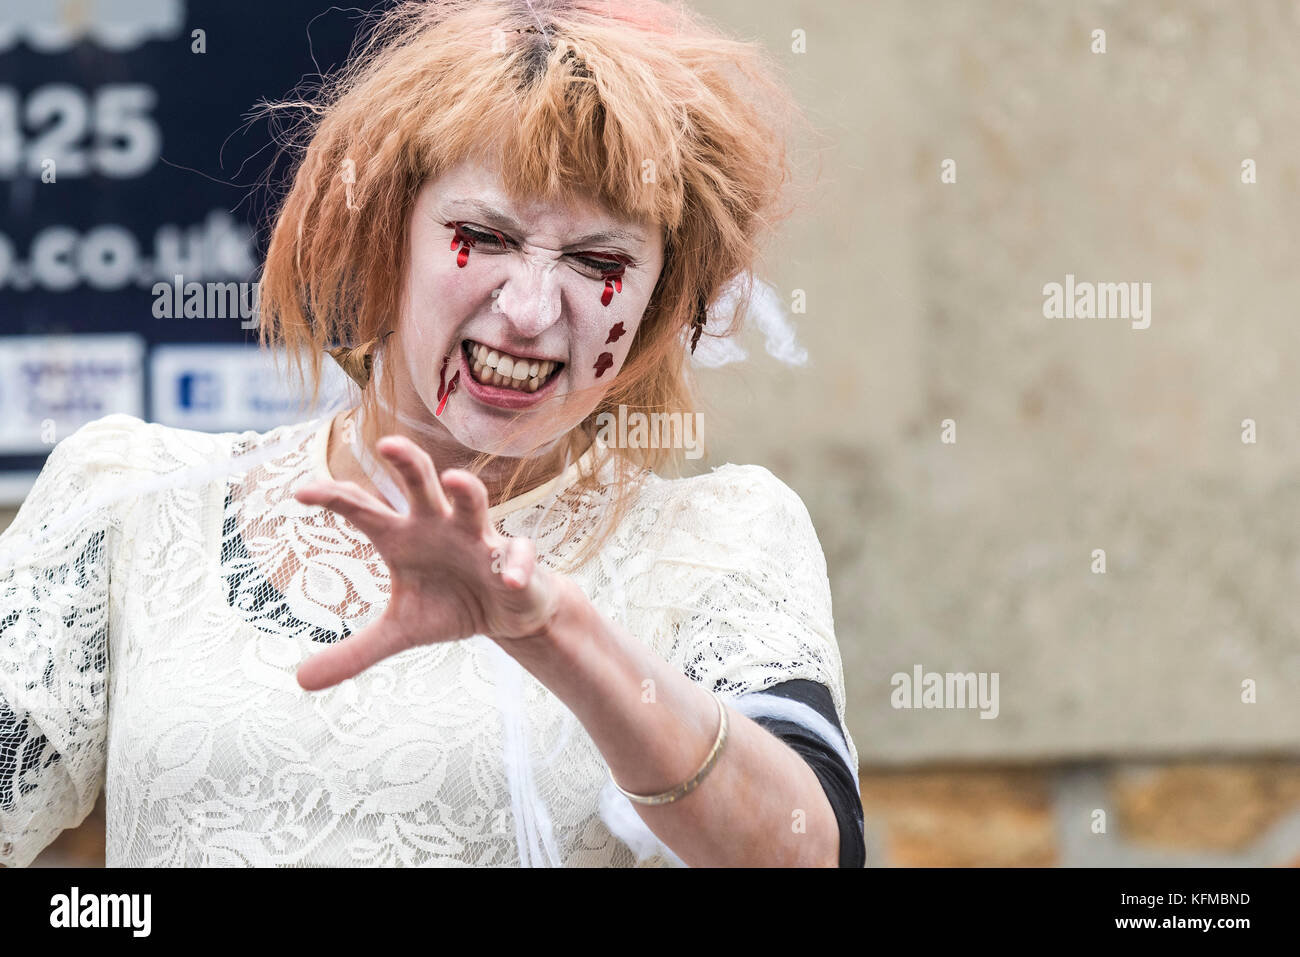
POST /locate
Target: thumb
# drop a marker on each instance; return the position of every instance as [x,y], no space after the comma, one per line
[530,588]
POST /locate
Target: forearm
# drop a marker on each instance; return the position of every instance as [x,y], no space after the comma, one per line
[761,804]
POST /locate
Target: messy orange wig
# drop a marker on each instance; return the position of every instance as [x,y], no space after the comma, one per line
[634,103]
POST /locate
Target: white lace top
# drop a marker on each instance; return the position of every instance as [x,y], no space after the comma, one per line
[159,588]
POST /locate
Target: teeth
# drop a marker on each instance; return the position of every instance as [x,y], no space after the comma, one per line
[497,368]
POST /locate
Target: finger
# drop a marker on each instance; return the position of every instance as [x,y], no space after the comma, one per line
[520,562]
[352,502]
[469,498]
[350,657]
[415,471]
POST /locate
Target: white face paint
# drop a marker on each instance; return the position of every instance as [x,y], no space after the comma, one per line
[531,287]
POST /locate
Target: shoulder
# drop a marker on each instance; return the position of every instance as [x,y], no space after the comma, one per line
[732,516]
[131,443]
[731,494]
[124,447]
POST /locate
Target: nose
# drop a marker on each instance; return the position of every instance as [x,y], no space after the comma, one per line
[530,298]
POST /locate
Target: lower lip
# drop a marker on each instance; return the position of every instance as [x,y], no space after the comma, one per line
[497,396]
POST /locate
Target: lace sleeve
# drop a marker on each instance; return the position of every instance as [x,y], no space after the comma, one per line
[54,604]
[746,576]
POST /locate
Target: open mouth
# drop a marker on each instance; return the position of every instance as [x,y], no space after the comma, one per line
[500,369]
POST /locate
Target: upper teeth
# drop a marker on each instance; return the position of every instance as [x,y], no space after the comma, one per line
[500,368]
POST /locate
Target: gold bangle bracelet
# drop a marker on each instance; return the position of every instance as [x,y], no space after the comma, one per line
[667,797]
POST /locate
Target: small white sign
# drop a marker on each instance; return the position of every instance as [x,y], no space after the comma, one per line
[52,385]
[230,388]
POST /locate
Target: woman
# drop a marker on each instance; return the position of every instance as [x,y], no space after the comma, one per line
[454,623]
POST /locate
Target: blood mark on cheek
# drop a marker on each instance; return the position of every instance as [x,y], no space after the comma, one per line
[445,389]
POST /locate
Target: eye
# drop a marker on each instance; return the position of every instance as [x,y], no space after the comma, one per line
[602,265]
[479,236]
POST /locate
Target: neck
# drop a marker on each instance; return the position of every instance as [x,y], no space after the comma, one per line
[445,451]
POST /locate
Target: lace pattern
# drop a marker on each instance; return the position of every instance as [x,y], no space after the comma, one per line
[159,588]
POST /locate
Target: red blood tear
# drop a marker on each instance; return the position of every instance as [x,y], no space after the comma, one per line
[615,333]
[447,395]
[442,372]
[603,362]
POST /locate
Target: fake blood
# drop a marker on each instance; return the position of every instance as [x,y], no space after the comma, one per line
[612,284]
[465,242]
[445,389]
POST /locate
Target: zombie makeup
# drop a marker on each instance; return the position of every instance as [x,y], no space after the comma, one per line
[445,389]
[514,304]
[613,277]
[465,237]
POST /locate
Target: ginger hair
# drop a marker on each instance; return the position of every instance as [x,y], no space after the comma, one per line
[640,105]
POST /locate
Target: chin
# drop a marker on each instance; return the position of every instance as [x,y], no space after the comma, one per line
[495,439]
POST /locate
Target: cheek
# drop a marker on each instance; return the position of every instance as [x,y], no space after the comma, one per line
[441,296]
[606,336]
[452,290]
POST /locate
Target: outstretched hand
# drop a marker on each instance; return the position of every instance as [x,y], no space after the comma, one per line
[452,574]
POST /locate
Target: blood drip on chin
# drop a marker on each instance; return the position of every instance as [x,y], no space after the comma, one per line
[445,389]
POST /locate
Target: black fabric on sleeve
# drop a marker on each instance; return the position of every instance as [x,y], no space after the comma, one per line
[835,776]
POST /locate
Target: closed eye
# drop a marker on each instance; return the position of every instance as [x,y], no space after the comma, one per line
[599,264]
[483,237]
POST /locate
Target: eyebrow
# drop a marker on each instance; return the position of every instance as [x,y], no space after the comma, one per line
[497,217]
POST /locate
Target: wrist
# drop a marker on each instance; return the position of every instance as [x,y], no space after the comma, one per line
[562,634]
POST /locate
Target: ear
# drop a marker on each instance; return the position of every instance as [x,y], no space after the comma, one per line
[358,361]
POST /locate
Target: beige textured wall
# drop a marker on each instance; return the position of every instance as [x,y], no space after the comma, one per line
[925,303]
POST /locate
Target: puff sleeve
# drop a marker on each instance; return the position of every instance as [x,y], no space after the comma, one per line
[54,628]
[741,564]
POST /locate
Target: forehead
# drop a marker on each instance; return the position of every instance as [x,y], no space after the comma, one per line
[475,188]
